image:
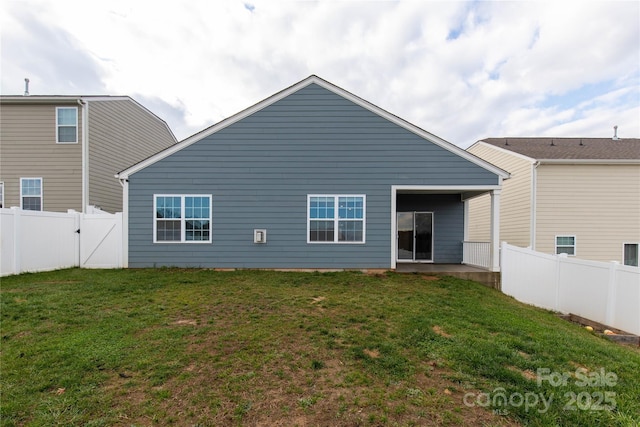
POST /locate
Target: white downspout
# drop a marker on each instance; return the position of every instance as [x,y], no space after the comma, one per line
[124,182]
[125,221]
[394,231]
[495,230]
[85,154]
[533,204]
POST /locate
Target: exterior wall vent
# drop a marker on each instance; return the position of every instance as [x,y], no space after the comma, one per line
[259,236]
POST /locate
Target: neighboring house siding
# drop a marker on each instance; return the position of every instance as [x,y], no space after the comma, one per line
[121,133]
[599,204]
[515,199]
[29,149]
[260,170]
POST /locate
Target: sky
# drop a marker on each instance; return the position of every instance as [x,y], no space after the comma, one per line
[462,70]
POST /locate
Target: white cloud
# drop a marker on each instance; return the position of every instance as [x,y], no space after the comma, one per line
[461,70]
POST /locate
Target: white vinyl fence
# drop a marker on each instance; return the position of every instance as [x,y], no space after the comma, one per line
[607,293]
[39,241]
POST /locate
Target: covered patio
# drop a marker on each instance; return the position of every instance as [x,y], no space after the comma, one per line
[430,230]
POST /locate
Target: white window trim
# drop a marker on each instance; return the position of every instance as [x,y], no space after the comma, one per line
[182,220]
[631,243]
[58,125]
[2,194]
[575,244]
[336,219]
[41,192]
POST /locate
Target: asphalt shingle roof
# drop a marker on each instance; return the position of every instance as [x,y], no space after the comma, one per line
[571,148]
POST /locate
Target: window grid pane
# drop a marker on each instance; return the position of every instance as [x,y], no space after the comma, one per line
[168,231]
[350,231]
[31,187]
[168,207]
[32,203]
[321,231]
[350,207]
[569,250]
[322,207]
[66,134]
[67,116]
[565,241]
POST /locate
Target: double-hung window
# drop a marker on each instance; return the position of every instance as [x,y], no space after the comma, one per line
[31,194]
[182,218]
[336,218]
[566,245]
[66,125]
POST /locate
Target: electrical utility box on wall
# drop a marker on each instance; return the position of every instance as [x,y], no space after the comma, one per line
[259,236]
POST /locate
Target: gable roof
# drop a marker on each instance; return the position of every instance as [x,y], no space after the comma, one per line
[571,149]
[313,79]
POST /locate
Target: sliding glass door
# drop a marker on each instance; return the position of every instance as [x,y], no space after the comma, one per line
[415,236]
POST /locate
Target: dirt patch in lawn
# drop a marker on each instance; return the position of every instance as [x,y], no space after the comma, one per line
[290,390]
[438,330]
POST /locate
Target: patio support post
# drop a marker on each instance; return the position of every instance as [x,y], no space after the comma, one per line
[495,230]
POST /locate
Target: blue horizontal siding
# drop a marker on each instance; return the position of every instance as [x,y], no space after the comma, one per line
[260,170]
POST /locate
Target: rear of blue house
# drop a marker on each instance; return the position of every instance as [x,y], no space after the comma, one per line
[310,178]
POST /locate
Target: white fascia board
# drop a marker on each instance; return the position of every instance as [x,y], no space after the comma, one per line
[37,99]
[589,161]
[335,89]
[445,188]
[503,150]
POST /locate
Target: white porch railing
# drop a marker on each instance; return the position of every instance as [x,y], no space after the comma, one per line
[477,254]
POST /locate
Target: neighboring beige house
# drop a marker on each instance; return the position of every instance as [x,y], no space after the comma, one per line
[62,152]
[579,196]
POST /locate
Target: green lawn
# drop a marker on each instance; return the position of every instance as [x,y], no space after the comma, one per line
[207,348]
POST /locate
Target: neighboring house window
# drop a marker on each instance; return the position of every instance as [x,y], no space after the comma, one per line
[182,218]
[66,125]
[31,194]
[631,254]
[335,219]
[566,245]
[1,194]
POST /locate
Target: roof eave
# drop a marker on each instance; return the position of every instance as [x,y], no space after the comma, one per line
[40,99]
[589,161]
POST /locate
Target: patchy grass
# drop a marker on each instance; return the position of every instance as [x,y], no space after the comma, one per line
[198,347]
